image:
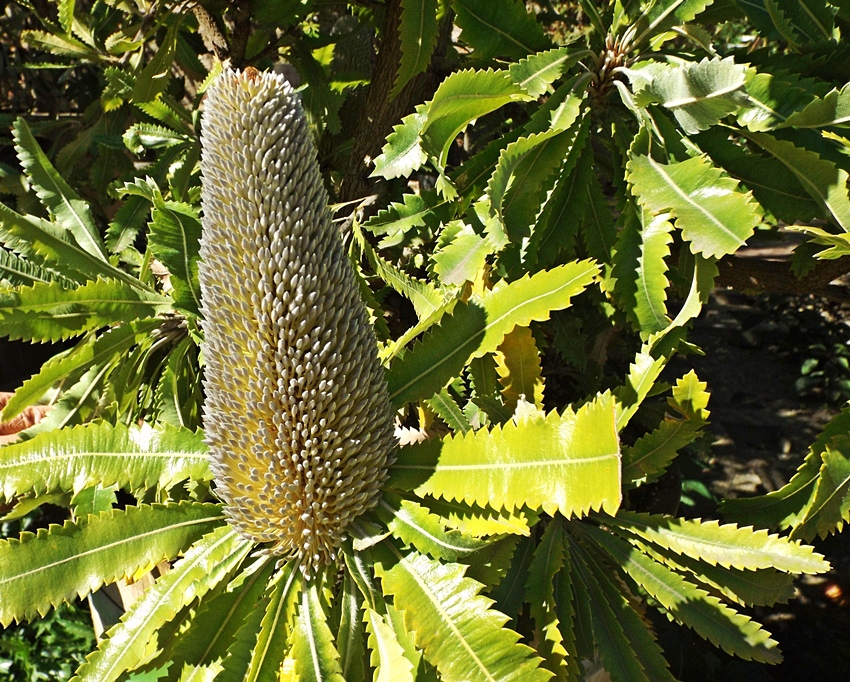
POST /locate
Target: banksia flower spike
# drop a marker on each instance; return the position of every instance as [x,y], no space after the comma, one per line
[297,415]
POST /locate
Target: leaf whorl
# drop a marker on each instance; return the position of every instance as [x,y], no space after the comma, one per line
[297,415]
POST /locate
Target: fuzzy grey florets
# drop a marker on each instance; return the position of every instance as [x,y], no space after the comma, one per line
[296,414]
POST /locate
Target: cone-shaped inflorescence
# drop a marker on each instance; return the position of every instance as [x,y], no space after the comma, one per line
[297,416]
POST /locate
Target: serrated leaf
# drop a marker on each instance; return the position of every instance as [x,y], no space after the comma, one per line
[503,29]
[350,638]
[387,654]
[174,238]
[18,271]
[629,650]
[418,36]
[447,409]
[642,375]
[536,73]
[316,658]
[414,210]
[50,312]
[455,626]
[77,458]
[424,296]
[525,165]
[662,14]
[822,179]
[143,136]
[726,545]
[773,98]
[519,369]
[640,269]
[403,153]
[540,595]
[829,508]
[569,463]
[89,352]
[750,588]
[651,454]
[205,563]
[478,327]
[273,639]
[49,245]
[60,44]
[773,184]
[699,94]
[218,620]
[153,78]
[462,97]
[713,214]
[710,618]
[831,110]
[72,213]
[459,261]
[416,526]
[482,521]
[61,563]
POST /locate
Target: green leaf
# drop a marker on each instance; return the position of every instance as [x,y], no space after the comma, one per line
[822,179]
[218,620]
[418,36]
[540,595]
[478,327]
[350,639]
[707,615]
[70,210]
[209,560]
[77,458]
[713,214]
[699,94]
[273,639]
[641,268]
[449,411]
[773,98]
[61,563]
[528,161]
[662,14]
[536,73]
[455,627]
[174,239]
[18,271]
[89,352]
[642,375]
[774,185]
[316,658]
[569,463]
[831,110]
[651,454]
[519,369]
[629,650]
[403,153]
[414,525]
[462,97]
[49,245]
[498,29]
[64,45]
[482,521]
[154,77]
[414,210]
[726,545]
[143,136]
[387,657]
[424,296]
[760,587]
[50,312]
[829,508]
[460,260]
